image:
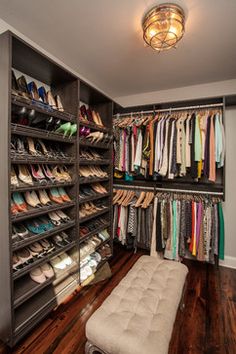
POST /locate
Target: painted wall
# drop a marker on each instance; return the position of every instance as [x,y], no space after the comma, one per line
[213,89]
[230,201]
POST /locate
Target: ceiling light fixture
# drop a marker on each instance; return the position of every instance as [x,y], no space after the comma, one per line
[163,26]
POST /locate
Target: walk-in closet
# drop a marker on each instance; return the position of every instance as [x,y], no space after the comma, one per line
[117,177]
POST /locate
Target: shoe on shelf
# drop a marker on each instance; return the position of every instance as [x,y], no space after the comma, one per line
[24,175]
[42,94]
[25,256]
[32,88]
[59,105]
[64,128]
[64,195]
[63,216]
[48,173]
[23,88]
[37,174]
[20,230]
[14,179]
[19,202]
[16,262]
[43,197]
[37,275]
[47,246]
[32,199]
[55,218]
[55,196]
[51,100]
[47,270]
[66,259]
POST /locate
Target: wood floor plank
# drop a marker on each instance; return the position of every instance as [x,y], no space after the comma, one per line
[206,326]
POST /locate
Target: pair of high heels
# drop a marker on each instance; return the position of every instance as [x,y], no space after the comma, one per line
[67,129]
[90,155]
[20,87]
[89,208]
[96,137]
[92,171]
[87,115]
[97,187]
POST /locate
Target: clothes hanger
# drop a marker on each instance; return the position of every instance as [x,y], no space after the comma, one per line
[125,192]
[140,199]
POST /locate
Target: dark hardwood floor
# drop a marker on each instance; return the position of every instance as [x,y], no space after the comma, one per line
[207,324]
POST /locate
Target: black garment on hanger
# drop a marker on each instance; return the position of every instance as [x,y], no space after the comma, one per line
[159,247]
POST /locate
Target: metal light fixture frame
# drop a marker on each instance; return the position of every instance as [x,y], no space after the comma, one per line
[158,14]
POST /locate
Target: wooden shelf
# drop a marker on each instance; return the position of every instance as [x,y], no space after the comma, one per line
[88,180]
[24,188]
[31,238]
[92,216]
[41,160]
[94,162]
[24,130]
[84,142]
[94,126]
[94,197]
[40,211]
[94,232]
[41,108]
[42,260]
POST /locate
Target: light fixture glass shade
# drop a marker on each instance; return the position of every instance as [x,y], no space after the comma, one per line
[163,26]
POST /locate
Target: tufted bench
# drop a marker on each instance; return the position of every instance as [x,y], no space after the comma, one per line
[138,316]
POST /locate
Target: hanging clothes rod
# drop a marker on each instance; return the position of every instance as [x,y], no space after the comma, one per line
[142,188]
[118,115]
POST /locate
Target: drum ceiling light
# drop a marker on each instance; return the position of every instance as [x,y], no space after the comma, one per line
[163,26]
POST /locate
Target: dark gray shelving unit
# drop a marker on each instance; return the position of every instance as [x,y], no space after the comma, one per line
[24,302]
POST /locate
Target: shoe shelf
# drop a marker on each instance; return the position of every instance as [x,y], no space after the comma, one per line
[88,180]
[93,197]
[71,270]
[94,162]
[25,288]
[94,215]
[39,107]
[31,238]
[19,273]
[40,211]
[23,187]
[24,130]
[84,142]
[94,126]
[93,232]
[86,281]
[41,304]
[40,160]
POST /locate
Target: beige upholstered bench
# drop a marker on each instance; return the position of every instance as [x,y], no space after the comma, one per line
[138,316]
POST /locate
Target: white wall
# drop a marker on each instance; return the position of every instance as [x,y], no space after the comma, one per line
[230,199]
[213,89]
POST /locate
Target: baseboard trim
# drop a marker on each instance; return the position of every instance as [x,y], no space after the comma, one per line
[229,262]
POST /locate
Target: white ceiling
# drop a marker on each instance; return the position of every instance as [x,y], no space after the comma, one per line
[102,41]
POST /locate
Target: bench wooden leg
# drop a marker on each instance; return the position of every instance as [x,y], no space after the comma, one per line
[92,349]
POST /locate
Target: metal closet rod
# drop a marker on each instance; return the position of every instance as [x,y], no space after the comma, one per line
[121,186]
[171,109]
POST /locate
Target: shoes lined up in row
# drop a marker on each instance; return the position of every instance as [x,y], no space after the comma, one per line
[21,202]
[97,137]
[30,91]
[24,230]
[92,226]
[90,116]
[42,174]
[39,249]
[92,171]
[90,245]
[89,265]
[90,208]
[92,190]
[29,147]
[90,155]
